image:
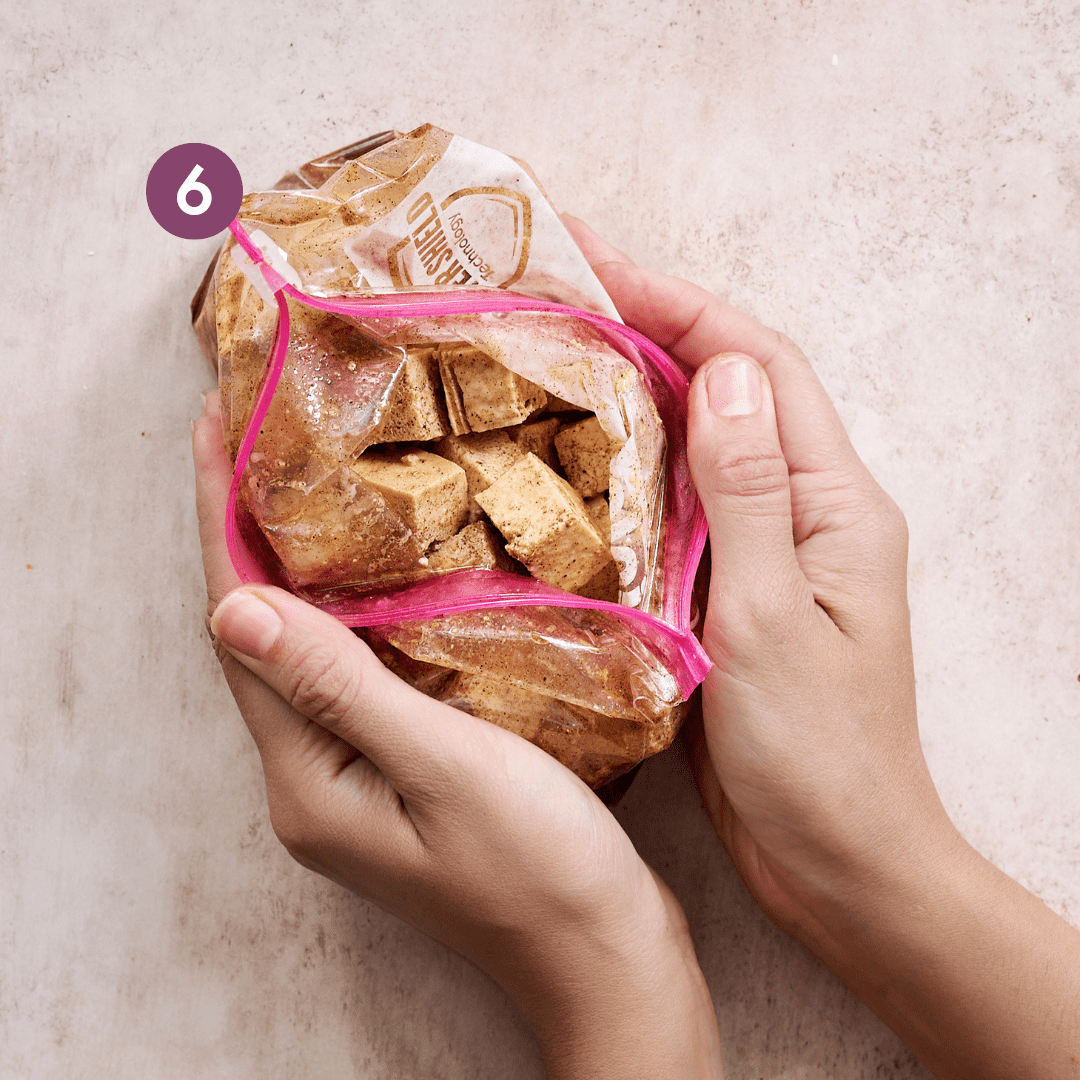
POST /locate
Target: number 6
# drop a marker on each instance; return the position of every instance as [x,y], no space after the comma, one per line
[192,184]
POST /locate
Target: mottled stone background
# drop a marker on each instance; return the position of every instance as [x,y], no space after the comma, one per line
[895,185]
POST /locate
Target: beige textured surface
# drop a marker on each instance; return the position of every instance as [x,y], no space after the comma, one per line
[895,185]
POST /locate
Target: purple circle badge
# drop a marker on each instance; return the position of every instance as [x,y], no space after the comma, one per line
[194,191]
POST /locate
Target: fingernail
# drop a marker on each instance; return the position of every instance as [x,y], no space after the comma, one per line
[246,624]
[205,412]
[734,388]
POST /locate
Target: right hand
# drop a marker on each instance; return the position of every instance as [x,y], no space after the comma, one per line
[808,758]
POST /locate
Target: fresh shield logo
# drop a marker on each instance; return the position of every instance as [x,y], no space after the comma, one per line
[476,236]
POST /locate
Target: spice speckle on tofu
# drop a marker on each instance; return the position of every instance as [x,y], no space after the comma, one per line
[537,437]
[428,493]
[545,524]
[491,396]
[484,455]
[415,411]
[585,451]
[475,546]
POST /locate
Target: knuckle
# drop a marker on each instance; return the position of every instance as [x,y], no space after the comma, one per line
[887,525]
[778,615]
[749,474]
[789,351]
[896,524]
[296,823]
[292,827]
[287,826]
[322,685]
[848,493]
[768,626]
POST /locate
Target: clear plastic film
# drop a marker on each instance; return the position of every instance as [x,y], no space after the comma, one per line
[332,378]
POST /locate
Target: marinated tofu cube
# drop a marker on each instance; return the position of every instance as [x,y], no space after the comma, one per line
[596,506]
[537,437]
[545,524]
[484,455]
[520,711]
[428,493]
[415,411]
[455,407]
[477,545]
[585,451]
[604,585]
[343,531]
[491,395]
[557,404]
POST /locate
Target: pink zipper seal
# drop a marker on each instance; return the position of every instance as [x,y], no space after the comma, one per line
[458,591]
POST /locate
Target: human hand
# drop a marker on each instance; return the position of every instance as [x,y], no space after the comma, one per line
[466,831]
[808,757]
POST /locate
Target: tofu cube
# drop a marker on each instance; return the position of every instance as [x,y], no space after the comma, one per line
[508,706]
[537,437]
[596,506]
[455,407]
[545,524]
[557,404]
[484,455]
[343,531]
[428,493]
[585,451]
[491,395]
[477,545]
[603,585]
[415,411]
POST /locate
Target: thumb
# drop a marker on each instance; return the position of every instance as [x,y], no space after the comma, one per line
[328,675]
[741,476]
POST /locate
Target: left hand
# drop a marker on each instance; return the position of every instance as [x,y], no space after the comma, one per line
[466,831]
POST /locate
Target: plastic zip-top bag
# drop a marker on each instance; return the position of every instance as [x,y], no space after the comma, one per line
[490,485]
